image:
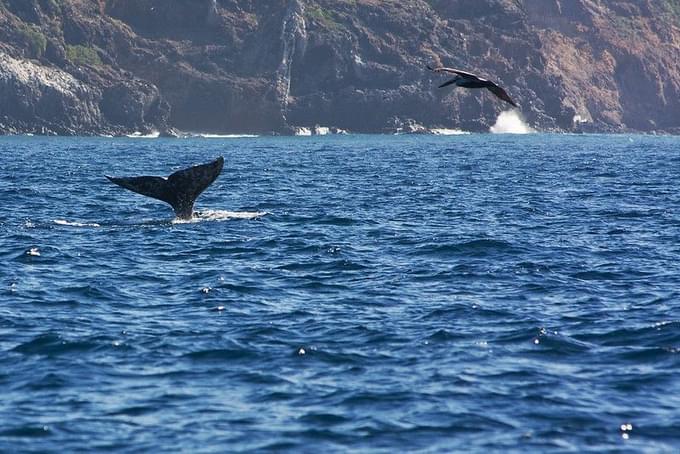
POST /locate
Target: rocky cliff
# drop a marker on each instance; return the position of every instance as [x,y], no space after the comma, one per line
[229,66]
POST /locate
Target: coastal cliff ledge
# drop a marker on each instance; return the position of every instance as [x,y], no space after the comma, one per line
[85,67]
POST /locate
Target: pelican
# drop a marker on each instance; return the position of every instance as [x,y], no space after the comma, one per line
[468,80]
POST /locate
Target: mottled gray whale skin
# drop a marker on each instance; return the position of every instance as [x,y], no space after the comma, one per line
[180,189]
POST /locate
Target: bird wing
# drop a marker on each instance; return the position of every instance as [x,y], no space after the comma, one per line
[449,82]
[502,94]
[442,69]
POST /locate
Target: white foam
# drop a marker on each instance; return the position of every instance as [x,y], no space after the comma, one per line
[511,122]
[139,135]
[448,132]
[220,215]
[227,136]
[75,224]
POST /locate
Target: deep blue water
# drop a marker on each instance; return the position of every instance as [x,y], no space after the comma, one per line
[399,294]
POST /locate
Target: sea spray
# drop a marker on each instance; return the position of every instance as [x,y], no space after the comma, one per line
[511,122]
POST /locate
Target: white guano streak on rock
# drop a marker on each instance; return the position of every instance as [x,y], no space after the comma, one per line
[34,75]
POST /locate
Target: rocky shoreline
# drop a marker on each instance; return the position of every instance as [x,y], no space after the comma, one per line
[116,67]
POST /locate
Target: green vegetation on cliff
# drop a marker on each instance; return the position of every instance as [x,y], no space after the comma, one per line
[322,16]
[83,55]
[36,41]
[673,7]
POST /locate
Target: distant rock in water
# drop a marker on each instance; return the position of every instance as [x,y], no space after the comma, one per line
[239,66]
[170,133]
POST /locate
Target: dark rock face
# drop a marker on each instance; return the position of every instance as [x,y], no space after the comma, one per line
[34,98]
[117,66]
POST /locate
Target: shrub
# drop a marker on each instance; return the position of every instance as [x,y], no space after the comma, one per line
[37,43]
[673,5]
[322,16]
[83,55]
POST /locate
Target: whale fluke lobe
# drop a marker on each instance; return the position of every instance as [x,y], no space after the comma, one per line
[180,189]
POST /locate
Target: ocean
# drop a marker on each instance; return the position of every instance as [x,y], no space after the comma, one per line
[343,293]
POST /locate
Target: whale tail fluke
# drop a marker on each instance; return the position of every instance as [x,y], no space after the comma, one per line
[180,190]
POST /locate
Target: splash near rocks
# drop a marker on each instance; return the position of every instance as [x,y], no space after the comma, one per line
[511,122]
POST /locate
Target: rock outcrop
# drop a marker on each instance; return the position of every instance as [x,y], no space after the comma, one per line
[234,66]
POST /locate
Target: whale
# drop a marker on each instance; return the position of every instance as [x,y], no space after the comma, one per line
[180,190]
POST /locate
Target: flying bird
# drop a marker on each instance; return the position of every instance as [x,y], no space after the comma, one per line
[468,80]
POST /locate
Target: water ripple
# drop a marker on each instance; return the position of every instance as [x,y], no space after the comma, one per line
[343,293]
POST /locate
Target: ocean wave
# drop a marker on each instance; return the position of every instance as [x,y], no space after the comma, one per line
[75,224]
[448,132]
[225,136]
[51,344]
[478,247]
[140,135]
[27,431]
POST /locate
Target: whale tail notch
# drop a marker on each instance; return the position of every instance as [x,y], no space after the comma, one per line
[180,190]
